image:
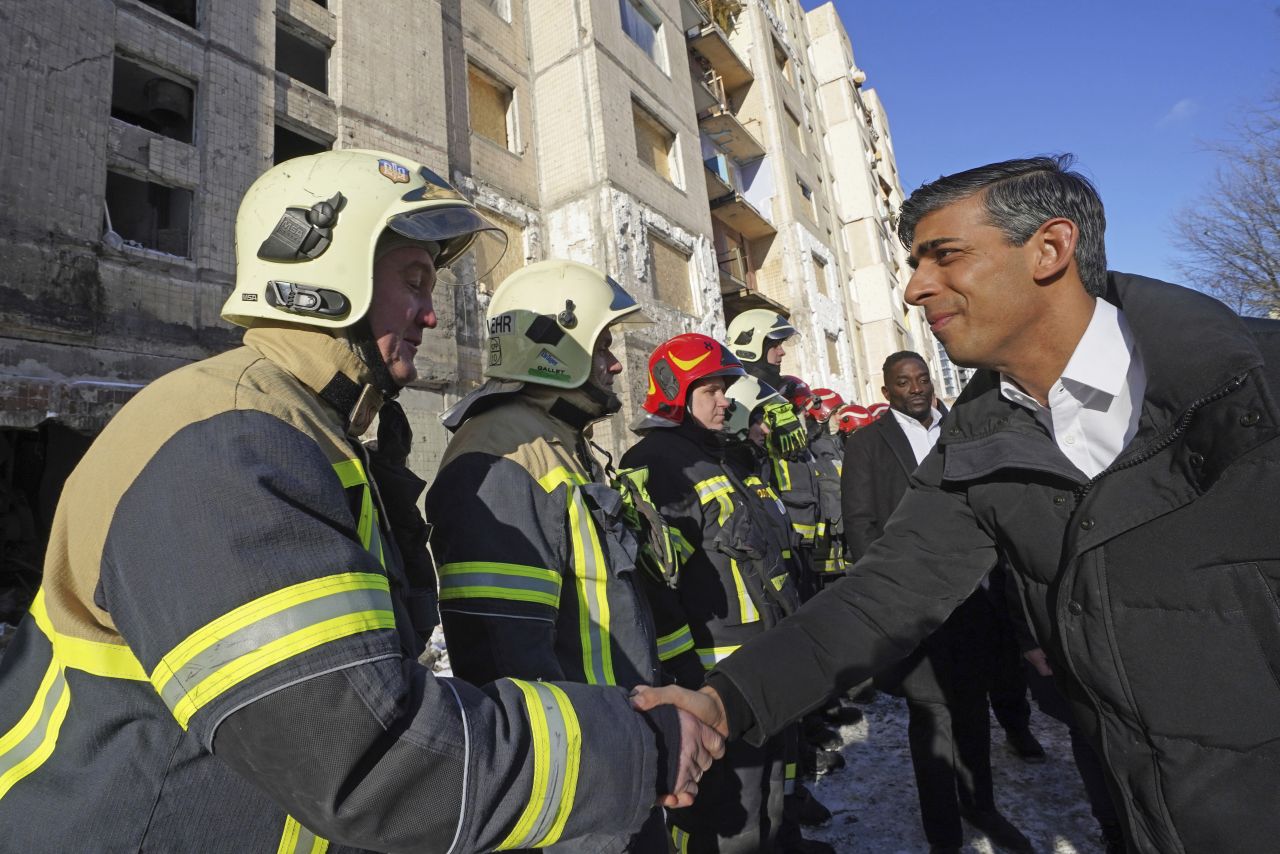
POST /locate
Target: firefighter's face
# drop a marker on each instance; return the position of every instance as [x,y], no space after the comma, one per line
[707,403]
[774,351]
[403,282]
[604,365]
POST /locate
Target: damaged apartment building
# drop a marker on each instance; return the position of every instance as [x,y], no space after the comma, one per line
[711,155]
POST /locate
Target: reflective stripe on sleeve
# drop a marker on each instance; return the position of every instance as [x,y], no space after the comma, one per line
[716,489]
[115,661]
[782,475]
[296,839]
[267,631]
[28,744]
[746,607]
[681,840]
[557,752]
[491,580]
[713,655]
[806,532]
[590,576]
[669,646]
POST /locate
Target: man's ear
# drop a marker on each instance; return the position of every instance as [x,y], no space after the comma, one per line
[1055,248]
[884,390]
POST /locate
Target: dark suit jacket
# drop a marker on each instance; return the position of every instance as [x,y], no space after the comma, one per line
[877,464]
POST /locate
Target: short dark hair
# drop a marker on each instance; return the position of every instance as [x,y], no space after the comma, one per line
[901,356]
[1021,196]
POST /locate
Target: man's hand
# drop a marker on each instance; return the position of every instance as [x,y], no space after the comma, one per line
[701,737]
[787,435]
[1038,660]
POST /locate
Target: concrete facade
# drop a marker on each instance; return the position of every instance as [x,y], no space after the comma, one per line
[706,166]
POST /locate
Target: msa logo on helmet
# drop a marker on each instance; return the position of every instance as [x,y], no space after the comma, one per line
[393,172]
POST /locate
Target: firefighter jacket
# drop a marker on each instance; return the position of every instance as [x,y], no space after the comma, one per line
[828,455]
[221,657]
[736,582]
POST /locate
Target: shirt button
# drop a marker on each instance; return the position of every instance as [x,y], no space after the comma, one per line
[1075,608]
[1070,438]
[1196,459]
[1086,524]
[1249,419]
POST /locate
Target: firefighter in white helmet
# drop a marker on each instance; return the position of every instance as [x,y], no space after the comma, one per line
[223,640]
[541,576]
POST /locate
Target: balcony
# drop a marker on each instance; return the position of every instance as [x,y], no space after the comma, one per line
[737,213]
[719,179]
[711,42]
[723,127]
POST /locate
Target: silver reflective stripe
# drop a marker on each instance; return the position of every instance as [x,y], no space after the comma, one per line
[261,632]
[669,646]
[25,750]
[596,654]
[558,736]
[548,586]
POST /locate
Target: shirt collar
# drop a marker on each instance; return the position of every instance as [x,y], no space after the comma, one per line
[908,421]
[1100,361]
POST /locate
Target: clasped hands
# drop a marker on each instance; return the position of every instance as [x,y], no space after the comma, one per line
[703,728]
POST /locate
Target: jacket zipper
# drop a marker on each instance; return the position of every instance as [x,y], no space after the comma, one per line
[1081,492]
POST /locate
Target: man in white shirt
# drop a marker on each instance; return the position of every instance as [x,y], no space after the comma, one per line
[1136,515]
[945,680]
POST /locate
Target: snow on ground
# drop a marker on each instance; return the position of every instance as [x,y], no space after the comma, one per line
[1046,802]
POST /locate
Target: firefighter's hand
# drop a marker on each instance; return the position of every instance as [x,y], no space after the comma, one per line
[700,742]
[787,435]
[1039,661]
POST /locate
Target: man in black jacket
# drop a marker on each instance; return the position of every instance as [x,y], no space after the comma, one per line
[1119,446]
[945,680]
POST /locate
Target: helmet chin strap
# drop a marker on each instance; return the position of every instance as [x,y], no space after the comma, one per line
[360,337]
[608,401]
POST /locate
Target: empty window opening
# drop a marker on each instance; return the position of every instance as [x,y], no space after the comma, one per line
[490,104]
[833,355]
[654,143]
[669,272]
[820,274]
[782,61]
[289,145]
[301,59]
[793,127]
[151,100]
[149,216]
[182,10]
[644,28]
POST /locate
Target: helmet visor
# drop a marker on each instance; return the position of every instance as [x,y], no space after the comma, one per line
[470,245]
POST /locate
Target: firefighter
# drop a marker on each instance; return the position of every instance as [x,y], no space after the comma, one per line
[221,656]
[538,575]
[795,478]
[758,337]
[850,418]
[732,587]
[828,455]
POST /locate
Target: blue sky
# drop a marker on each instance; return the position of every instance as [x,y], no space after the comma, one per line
[1135,88]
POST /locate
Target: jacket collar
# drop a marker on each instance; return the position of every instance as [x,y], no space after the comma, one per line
[888,428]
[323,363]
[1192,346]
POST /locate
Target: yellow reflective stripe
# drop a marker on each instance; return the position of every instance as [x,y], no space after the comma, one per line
[684,549]
[296,839]
[561,475]
[557,753]
[746,607]
[713,655]
[277,611]
[786,554]
[115,661]
[681,840]
[350,472]
[706,489]
[805,531]
[669,646]
[590,578]
[492,580]
[791,770]
[26,746]
[782,475]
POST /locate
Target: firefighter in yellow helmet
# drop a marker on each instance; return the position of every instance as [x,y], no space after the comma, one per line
[222,641]
[542,577]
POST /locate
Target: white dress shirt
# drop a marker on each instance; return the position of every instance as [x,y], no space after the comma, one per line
[922,438]
[1094,406]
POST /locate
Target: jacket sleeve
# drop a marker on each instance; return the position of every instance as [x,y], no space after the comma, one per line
[498,538]
[796,484]
[932,556]
[259,606]
[858,496]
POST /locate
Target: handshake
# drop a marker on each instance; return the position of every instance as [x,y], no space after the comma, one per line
[703,729]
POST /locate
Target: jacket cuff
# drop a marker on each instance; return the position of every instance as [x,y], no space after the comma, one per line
[738,715]
[665,723]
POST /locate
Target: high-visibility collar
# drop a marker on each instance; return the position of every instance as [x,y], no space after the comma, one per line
[323,363]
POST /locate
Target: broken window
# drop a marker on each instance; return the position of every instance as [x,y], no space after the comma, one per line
[489,103]
[782,61]
[513,259]
[669,272]
[302,59]
[793,126]
[644,28]
[289,145]
[144,97]
[807,202]
[182,10]
[820,274]
[654,143]
[149,216]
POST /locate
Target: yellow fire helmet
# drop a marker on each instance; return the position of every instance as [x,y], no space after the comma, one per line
[544,320]
[748,331]
[307,230]
[746,394]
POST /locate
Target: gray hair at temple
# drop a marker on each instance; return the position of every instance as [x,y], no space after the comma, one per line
[1020,196]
